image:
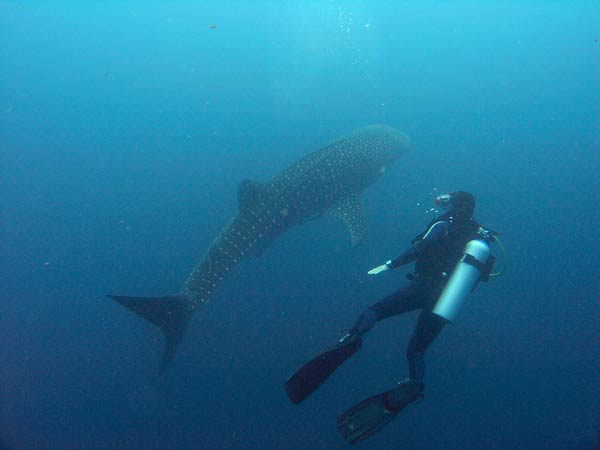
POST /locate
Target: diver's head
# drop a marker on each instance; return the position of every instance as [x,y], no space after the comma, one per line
[460,202]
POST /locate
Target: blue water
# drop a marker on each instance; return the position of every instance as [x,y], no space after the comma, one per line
[125,128]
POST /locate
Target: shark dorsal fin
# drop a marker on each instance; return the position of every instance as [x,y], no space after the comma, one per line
[349,209]
[250,194]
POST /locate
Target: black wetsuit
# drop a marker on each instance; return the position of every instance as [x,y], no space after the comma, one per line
[436,252]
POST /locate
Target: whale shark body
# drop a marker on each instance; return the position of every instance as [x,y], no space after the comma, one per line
[330,179]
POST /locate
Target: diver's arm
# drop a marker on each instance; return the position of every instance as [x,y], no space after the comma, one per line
[406,257]
[438,230]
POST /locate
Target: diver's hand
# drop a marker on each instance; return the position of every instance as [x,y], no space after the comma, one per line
[381,268]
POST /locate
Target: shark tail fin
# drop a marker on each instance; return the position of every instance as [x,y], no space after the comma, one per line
[171,314]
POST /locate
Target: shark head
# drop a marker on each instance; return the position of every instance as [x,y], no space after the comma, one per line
[376,147]
[387,144]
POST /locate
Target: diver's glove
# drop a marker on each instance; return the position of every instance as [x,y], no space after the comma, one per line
[381,268]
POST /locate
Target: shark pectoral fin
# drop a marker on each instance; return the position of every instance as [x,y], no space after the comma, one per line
[171,314]
[351,212]
[250,194]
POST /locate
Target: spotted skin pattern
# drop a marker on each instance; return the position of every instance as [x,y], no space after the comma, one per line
[328,179]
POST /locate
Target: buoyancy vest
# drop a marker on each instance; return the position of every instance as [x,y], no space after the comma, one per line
[439,259]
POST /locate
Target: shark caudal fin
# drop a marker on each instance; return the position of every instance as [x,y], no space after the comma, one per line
[171,314]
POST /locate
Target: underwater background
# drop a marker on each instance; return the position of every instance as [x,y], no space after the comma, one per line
[125,128]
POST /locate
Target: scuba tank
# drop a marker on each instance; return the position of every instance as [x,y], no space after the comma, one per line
[474,266]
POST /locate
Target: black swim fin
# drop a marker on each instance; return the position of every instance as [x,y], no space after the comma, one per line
[371,415]
[314,373]
[171,314]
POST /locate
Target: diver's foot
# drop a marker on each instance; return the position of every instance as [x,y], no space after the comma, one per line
[349,338]
[408,391]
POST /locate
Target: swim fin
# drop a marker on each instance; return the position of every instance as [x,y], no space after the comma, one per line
[371,415]
[314,373]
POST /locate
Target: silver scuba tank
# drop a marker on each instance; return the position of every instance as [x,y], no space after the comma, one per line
[467,273]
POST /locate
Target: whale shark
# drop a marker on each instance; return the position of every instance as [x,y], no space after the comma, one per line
[328,180]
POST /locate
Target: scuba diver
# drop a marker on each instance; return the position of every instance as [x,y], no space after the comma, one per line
[453,243]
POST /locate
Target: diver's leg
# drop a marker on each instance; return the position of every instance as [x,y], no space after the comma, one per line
[406,299]
[428,327]
[314,373]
